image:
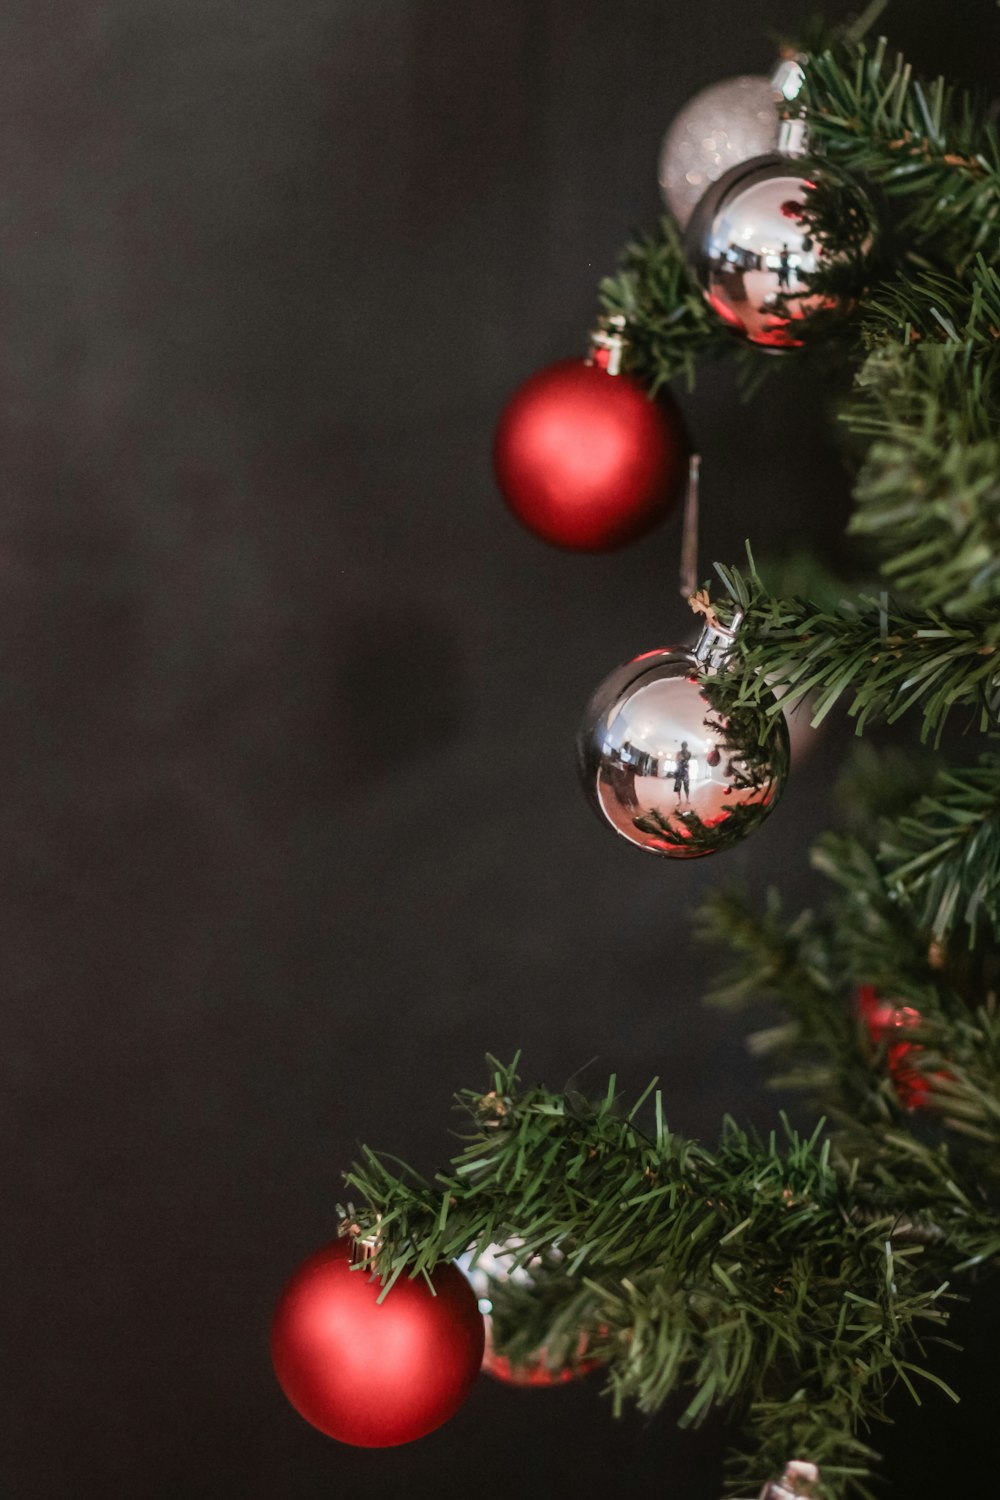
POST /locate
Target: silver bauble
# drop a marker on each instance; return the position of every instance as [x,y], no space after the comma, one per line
[781,247]
[663,765]
[497,1269]
[485,1268]
[725,124]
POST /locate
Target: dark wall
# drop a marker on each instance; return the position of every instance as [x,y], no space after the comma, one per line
[289,832]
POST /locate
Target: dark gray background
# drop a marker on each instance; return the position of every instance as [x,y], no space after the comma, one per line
[289,831]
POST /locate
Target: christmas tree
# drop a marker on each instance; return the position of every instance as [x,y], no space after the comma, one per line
[796,1281]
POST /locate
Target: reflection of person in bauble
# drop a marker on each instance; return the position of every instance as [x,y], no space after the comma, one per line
[784,281]
[682,778]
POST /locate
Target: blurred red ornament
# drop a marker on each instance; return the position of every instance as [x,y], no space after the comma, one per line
[369,1373]
[585,459]
[885,1021]
[537,1373]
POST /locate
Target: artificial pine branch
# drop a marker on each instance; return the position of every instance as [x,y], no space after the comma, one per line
[927,400]
[669,326]
[933,151]
[887,657]
[769,1277]
[792,1281]
[943,857]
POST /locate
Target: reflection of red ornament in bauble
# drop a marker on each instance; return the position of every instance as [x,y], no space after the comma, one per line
[884,1022]
[369,1373]
[586,460]
[536,1373]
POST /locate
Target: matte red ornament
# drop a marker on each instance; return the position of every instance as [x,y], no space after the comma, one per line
[586,460]
[887,1022]
[369,1373]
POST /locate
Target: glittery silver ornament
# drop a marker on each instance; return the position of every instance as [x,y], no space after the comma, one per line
[723,125]
[782,245]
[669,765]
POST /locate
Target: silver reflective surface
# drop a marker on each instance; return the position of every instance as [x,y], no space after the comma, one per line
[725,124]
[779,246]
[668,771]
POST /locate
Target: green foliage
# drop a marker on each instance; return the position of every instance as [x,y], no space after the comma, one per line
[942,858]
[805,574]
[744,1276]
[699,837]
[932,151]
[669,325]
[927,400]
[888,658]
[795,1281]
[816,33]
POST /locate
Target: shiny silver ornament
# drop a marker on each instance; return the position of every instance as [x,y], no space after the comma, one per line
[800,1481]
[723,125]
[782,245]
[485,1268]
[494,1270]
[665,766]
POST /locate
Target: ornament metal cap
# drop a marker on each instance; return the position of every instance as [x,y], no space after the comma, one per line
[363,1247]
[800,1481]
[716,640]
[608,343]
[793,137]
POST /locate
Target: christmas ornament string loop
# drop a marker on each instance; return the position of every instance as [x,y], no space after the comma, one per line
[689,532]
[608,342]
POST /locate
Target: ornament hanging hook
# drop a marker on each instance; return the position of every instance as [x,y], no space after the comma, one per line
[786,85]
[716,639]
[608,343]
[689,531]
[793,137]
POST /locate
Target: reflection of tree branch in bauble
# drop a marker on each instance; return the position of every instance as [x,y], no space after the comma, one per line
[699,837]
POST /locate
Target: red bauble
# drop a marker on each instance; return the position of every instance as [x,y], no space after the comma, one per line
[586,460]
[887,1022]
[369,1373]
